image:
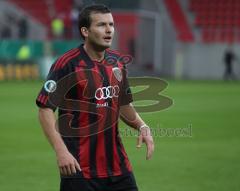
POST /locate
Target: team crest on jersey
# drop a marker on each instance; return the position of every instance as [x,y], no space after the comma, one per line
[117,73]
[50,86]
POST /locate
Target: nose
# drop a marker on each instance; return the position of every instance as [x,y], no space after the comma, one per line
[109,29]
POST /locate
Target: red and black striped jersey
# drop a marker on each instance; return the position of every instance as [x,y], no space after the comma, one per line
[88,96]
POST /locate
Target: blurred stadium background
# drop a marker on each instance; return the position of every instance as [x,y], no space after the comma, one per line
[181,41]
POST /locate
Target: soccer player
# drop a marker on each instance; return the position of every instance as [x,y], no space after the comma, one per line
[91,94]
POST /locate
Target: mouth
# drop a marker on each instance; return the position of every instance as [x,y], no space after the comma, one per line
[107,38]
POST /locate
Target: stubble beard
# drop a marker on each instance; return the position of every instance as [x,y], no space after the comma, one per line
[99,47]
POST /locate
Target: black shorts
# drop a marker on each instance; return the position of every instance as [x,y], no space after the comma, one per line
[114,183]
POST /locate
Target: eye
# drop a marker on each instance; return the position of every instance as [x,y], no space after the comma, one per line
[101,24]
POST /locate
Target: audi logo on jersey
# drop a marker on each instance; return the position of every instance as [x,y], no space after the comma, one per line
[107,92]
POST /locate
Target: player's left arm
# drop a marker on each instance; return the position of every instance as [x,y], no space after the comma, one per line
[129,115]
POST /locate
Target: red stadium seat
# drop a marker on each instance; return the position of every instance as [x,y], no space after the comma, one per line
[183,29]
[41,11]
[223,15]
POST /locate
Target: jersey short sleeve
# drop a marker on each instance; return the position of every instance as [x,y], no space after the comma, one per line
[50,85]
[126,94]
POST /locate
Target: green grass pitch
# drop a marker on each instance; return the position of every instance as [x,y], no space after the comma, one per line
[207,161]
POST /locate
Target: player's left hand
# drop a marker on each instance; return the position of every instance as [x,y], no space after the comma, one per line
[145,136]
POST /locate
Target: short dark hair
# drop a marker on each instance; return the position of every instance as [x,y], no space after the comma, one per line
[84,19]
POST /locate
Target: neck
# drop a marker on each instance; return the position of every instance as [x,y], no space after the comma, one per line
[93,52]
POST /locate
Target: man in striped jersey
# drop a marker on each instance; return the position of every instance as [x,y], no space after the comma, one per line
[89,87]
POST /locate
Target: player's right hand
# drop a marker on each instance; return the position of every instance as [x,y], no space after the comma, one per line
[67,164]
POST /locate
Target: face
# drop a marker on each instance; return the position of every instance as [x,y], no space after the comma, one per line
[101,31]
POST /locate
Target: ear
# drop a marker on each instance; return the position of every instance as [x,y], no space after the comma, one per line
[84,31]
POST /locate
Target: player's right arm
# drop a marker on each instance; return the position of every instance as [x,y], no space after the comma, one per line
[66,162]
